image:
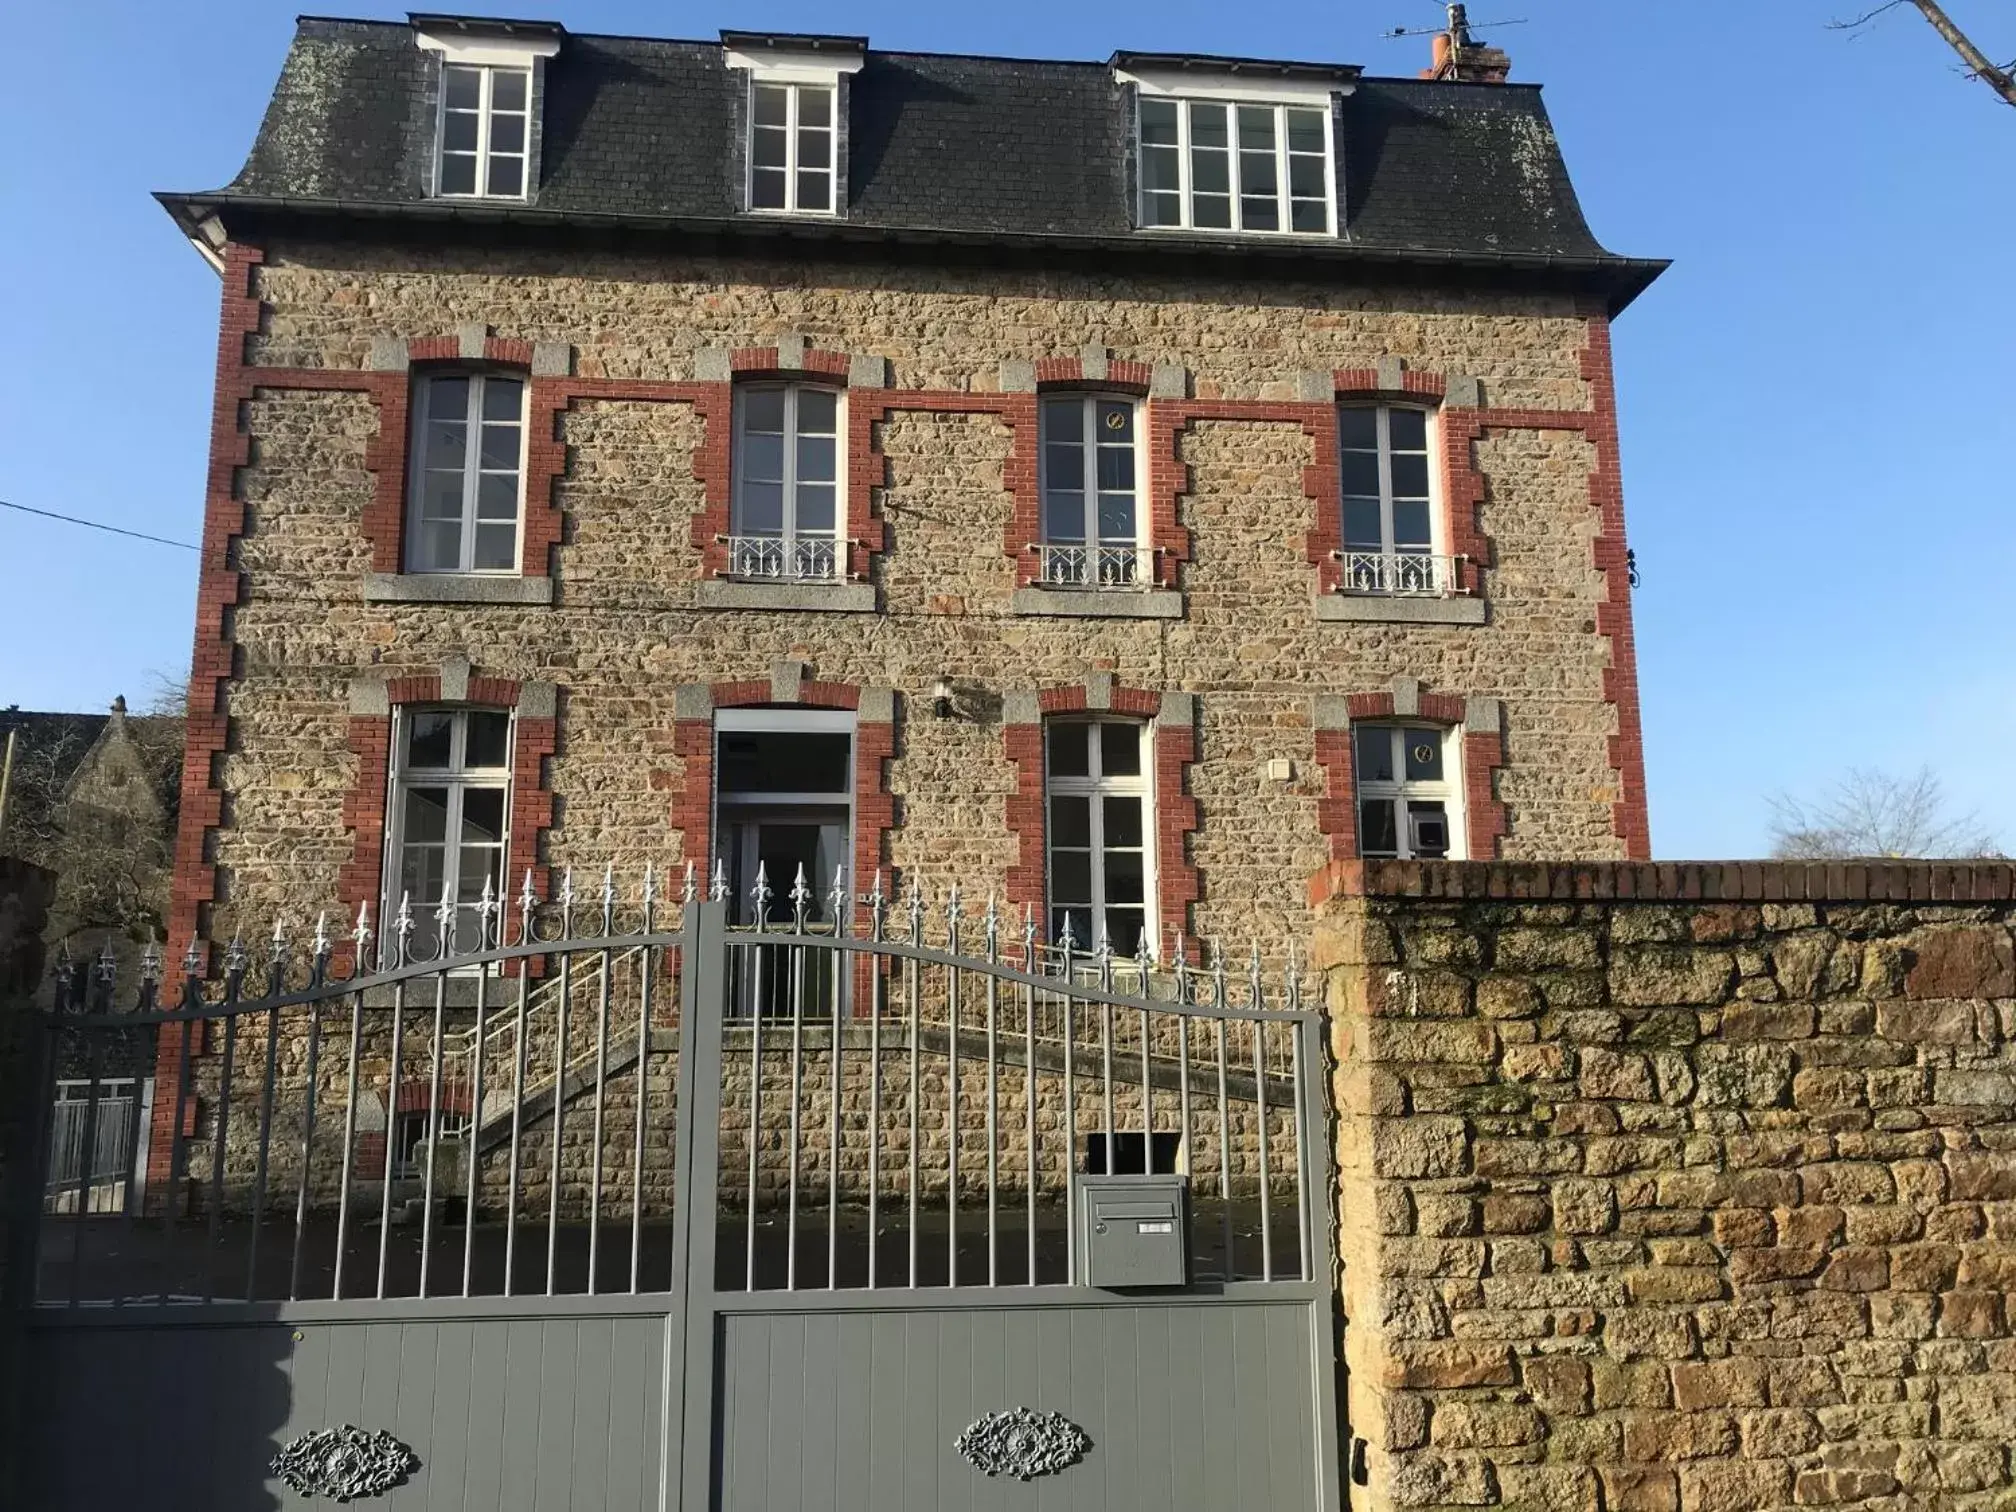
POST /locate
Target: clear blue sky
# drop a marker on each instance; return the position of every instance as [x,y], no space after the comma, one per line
[1818,453]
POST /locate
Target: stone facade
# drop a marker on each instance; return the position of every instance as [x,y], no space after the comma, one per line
[624,355]
[1678,1188]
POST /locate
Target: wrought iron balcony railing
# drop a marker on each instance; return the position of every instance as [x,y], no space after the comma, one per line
[1400,574]
[1095,567]
[773,559]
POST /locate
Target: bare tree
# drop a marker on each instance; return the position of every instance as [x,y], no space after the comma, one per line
[1870,815]
[2002,80]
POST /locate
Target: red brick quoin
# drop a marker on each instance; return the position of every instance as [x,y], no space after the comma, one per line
[1483,755]
[1178,884]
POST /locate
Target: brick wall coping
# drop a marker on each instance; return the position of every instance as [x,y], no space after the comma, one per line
[1673,881]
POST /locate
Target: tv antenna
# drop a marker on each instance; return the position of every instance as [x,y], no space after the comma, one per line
[1458,30]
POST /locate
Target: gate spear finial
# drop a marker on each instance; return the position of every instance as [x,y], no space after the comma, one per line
[801,899]
[717,889]
[837,901]
[877,902]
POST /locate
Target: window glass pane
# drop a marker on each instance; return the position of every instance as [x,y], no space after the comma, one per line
[1158,121]
[507,133]
[815,509]
[439,548]
[446,442]
[771,104]
[1122,820]
[817,409]
[448,400]
[507,176]
[476,863]
[1071,878]
[1124,879]
[1063,420]
[1165,210]
[482,815]
[1306,130]
[1116,519]
[421,870]
[458,175]
[1077,920]
[1212,212]
[1067,749]
[1410,524]
[1256,127]
[767,147]
[814,148]
[1310,217]
[426,815]
[497,496]
[1070,820]
[780,761]
[1064,466]
[763,409]
[1362,531]
[815,107]
[500,447]
[1120,750]
[508,88]
[1358,427]
[1424,755]
[1116,468]
[1116,422]
[1373,750]
[1377,834]
[1428,830]
[458,132]
[1259,214]
[1063,515]
[503,399]
[1409,429]
[762,506]
[428,739]
[1211,174]
[462,87]
[766,189]
[1305,177]
[816,455]
[1159,170]
[763,457]
[1410,475]
[1360,471]
[815,190]
[488,739]
[1126,927]
[1208,126]
[496,547]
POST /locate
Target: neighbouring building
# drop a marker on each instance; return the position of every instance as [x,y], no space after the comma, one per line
[1130,486]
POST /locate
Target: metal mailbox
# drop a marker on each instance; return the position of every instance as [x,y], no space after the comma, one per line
[1134,1230]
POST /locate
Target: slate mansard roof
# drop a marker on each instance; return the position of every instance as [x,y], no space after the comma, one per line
[638,136]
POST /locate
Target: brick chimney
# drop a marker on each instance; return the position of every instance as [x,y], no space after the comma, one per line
[1459,60]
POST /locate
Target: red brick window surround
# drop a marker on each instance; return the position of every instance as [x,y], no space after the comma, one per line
[535,729]
[788,686]
[1477,721]
[1173,812]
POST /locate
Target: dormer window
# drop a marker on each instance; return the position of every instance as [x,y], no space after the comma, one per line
[486,124]
[1222,165]
[794,119]
[485,115]
[791,147]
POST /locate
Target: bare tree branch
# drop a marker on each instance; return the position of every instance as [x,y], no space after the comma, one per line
[1873,815]
[2001,80]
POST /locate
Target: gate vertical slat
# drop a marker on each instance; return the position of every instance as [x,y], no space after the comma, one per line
[89,1159]
[1260,1118]
[601,1079]
[520,1053]
[644,958]
[446,923]
[472,1178]
[275,983]
[307,1150]
[349,1136]
[755,955]
[1224,1140]
[220,1133]
[691,1323]
[559,1092]
[391,1132]
[795,956]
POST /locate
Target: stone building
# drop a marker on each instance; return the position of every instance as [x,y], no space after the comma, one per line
[778,451]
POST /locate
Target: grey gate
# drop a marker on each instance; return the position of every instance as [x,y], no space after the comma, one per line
[603,1204]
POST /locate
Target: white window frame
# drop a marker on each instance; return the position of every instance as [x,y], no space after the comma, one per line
[421,403]
[1415,571]
[1094,787]
[458,779]
[486,113]
[794,90]
[1091,541]
[1399,791]
[788,533]
[1283,197]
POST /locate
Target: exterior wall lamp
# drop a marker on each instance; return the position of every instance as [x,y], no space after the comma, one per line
[941,699]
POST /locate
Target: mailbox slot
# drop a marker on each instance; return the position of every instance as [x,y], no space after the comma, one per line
[1133,1231]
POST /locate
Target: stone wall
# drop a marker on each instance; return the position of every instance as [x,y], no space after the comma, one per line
[1677,1188]
[627,626]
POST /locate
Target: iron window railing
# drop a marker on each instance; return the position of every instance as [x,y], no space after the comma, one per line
[1096,567]
[1400,574]
[773,559]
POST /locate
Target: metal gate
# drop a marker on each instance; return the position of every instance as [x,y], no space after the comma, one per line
[602,1204]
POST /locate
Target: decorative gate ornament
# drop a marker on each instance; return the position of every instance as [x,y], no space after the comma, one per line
[344,1463]
[1023,1444]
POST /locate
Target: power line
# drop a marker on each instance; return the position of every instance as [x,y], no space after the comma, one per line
[138,535]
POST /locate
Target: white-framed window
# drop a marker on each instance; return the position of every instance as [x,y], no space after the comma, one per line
[1226,165]
[486,123]
[1409,791]
[1389,514]
[1098,826]
[1091,484]
[791,147]
[788,499]
[449,816]
[468,473]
